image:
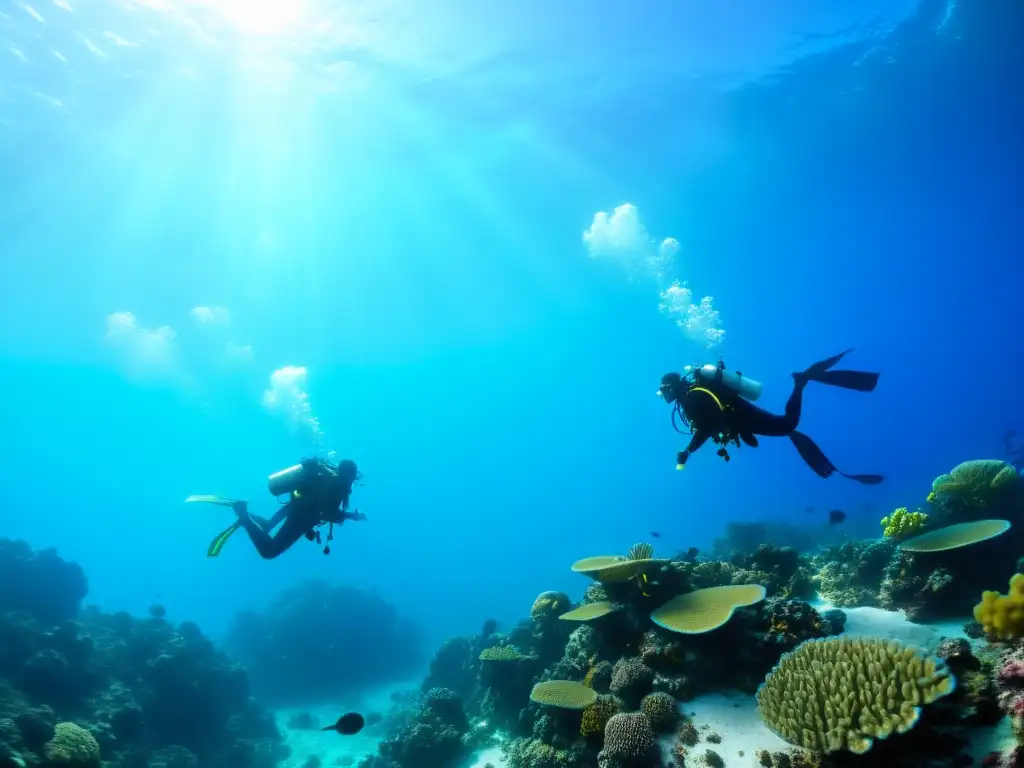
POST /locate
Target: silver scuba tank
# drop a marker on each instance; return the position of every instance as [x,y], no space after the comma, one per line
[744,386]
[287,480]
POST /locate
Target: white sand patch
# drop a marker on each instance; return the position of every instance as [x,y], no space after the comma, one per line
[490,756]
[735,718]
[894,625]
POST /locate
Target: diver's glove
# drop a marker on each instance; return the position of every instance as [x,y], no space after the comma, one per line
[681,458]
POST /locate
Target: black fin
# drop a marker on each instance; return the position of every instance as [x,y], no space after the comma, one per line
[819,462]
[749,438]
[861,381]
[821,372]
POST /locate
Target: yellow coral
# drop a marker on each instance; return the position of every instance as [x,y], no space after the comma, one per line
[843,693]
[597,715]
[902,523]
[1002,616]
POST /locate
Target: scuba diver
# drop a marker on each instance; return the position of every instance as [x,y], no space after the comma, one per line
[717,405]
[318,493]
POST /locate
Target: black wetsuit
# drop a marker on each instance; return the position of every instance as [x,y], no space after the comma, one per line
[717,413]
[324,499]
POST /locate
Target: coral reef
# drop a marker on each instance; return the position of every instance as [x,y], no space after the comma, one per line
[300,648]
[595,684]
[78,688]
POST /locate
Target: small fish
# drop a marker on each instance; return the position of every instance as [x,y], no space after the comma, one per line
[808,510]
[836,516]
[347,725]
[655,534]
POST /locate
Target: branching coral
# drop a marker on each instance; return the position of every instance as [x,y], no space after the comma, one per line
[902,524]
[72,745]
[842,694]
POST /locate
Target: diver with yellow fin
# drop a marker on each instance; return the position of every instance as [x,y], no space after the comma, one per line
[318,494]
[717,404]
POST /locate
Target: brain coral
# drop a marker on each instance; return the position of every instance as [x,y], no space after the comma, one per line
[72,745]
[628,737]
[550,604]
[843,693]
[661,711]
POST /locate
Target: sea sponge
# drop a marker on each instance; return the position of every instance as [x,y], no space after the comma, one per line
[1002,616]
[706,609]
[956,536]
[550,604]
[72,745]
[842,693]
[597,715]
[589,611]
[661,711]
[902,523]
[628,737]
[500,653]
[631,678]
[564,694]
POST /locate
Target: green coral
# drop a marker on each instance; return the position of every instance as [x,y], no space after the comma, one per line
[72,745]
[975,482]
[596,717]
[902,524]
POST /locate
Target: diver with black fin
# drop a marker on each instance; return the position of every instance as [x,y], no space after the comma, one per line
[318,494]
[717,404]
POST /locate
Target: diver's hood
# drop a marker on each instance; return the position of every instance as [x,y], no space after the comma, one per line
[669,386]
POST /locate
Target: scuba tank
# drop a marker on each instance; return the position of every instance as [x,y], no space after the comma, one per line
[745,387]
[291,479]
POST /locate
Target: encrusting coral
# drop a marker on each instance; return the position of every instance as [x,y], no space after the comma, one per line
[842,694]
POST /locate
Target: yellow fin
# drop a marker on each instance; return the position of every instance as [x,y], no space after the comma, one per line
[208,499]
[221,539]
